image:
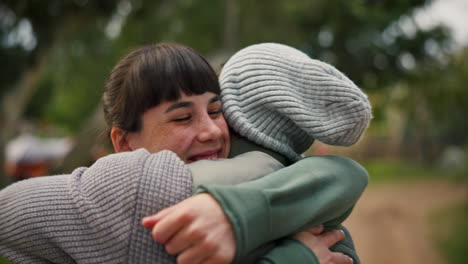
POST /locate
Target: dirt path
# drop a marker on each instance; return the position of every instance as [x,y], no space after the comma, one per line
[390,224]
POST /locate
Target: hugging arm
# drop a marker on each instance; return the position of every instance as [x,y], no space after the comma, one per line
[316,190]
[92,215]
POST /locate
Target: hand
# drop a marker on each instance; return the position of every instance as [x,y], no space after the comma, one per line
[320,244]
[197,229]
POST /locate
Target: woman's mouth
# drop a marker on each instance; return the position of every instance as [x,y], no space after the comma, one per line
[206,155]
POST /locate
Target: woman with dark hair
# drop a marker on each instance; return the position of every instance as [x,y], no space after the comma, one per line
[165,100]
[150,95]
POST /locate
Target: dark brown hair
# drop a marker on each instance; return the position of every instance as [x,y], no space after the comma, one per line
[151,75]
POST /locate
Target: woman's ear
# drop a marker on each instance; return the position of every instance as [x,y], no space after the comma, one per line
[120,140]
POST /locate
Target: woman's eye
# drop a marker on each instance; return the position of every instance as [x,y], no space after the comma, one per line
[216,112]
[182,119]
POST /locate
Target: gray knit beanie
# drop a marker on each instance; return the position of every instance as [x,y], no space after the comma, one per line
[279,98]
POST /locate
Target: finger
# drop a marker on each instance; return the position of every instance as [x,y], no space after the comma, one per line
[184,239]
[150,221]
[193,255]
[316,230]
[169,226]
[340,258]
[331,237]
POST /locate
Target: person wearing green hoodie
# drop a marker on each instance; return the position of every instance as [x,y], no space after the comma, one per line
[278,101]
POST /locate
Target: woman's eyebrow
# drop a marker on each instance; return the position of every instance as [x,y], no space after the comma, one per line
[178,105]
[214,99]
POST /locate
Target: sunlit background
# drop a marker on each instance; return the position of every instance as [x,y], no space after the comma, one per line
[410,57]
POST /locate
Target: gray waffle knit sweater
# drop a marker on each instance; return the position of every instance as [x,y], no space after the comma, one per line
[100,211]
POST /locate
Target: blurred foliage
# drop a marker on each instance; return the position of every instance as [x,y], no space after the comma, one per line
[18,16]
[74,80]
[376,43]
[4,261]
[364,39]
[441,88]
[383,170]
[3,181]
[451,233]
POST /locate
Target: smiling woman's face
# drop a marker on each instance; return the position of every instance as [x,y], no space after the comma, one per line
[193,127]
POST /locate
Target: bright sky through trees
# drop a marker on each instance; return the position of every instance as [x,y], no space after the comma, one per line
[449,12]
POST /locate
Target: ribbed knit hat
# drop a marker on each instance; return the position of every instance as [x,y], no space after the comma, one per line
[279,98]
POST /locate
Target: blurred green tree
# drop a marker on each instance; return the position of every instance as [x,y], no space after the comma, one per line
[30,32]
[435,103]
[75,44]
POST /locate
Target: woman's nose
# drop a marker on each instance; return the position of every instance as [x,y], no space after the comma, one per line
[209,130]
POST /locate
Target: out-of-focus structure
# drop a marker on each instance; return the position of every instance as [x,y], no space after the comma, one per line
[30,156]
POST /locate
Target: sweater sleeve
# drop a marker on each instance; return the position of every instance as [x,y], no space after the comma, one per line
[289,250]
[94,214]
[315,190]
[242,168]
[346,246]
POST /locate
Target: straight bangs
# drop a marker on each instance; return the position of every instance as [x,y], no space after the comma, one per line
[166,74]
[157,74]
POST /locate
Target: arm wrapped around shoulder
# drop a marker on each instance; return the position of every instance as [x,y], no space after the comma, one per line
[315,190]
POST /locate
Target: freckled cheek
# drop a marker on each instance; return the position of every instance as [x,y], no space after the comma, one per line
[175,139]
[159,139]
